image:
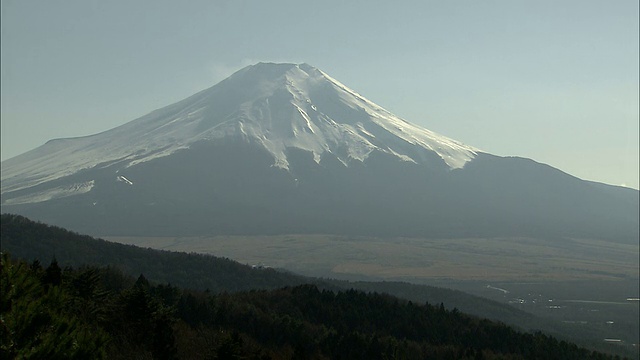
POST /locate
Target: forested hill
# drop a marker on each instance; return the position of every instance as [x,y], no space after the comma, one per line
[59,312]
[28,240]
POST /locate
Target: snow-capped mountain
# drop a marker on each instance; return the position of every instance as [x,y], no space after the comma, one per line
[287,148]
[277,106]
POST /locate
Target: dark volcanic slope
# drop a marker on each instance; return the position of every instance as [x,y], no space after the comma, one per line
[491,196]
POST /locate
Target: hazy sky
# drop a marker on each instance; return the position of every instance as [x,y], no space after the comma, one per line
[555,81]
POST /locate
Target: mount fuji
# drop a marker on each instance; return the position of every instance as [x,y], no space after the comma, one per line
[285,148]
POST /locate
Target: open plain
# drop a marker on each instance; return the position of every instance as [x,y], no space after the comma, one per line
[417,260]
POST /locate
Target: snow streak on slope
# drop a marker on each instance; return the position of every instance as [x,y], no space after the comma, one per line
[277,106]
[53,193]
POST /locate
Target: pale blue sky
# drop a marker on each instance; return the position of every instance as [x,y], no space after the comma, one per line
[555,81]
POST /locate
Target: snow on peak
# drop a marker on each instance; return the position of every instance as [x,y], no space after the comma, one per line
[299,106]
[279,106]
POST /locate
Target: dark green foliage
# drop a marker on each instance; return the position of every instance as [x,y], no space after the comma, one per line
[30,240]
[98,312]
[37,320]
[231,348]
[78,318]
[53,274]
[89,297]
[316,323]
[290,323]
[149,321]
[144,321]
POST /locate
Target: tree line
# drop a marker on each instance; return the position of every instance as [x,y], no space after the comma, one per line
[93,312]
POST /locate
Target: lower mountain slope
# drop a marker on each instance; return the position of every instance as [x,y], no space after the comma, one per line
[198,191]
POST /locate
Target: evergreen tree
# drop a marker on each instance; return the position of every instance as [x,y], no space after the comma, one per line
[35,322]
[53,274]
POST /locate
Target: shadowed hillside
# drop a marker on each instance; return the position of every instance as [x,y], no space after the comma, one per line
[29,240]
[99,313]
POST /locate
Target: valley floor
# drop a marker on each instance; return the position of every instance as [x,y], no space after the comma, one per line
[505,259]
[586,285]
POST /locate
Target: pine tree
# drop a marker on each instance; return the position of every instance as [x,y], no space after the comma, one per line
[53,274]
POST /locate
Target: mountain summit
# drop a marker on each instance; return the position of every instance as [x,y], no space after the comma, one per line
[280,148]
[276,106]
